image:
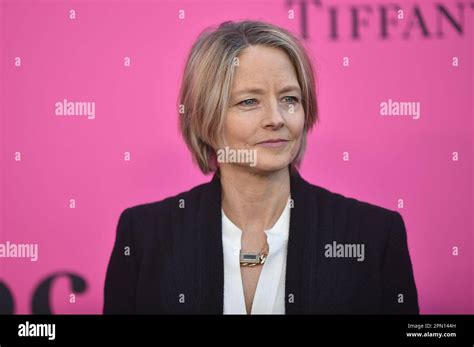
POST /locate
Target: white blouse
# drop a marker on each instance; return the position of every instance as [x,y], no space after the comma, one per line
[270,293]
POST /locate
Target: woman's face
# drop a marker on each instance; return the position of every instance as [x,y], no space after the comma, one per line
[265,114]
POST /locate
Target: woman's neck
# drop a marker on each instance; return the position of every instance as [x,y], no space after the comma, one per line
[253,201]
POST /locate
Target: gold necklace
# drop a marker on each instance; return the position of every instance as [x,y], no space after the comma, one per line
[250,259]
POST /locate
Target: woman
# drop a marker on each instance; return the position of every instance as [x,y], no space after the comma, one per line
[257,238]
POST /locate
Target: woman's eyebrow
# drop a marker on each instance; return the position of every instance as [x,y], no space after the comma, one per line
[249,91]
[290,89]
[261,91]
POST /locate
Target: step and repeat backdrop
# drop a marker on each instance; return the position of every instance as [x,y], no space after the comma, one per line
[89,127]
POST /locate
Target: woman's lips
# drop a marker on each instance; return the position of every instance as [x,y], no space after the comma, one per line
[273,143]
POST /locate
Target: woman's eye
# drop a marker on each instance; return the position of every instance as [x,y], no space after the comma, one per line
[291,99]
[248,102]
[253,102]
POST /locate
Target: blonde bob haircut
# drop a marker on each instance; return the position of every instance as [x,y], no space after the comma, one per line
[207,82]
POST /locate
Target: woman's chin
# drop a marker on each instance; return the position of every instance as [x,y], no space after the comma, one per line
[271,164]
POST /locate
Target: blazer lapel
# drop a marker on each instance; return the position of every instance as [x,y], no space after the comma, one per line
[301,265]
[210,253]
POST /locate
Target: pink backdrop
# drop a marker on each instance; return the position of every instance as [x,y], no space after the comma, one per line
[73,157]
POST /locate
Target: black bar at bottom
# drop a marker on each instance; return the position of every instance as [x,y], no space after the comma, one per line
[68,330]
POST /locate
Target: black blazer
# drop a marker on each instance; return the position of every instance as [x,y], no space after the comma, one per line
[168,256]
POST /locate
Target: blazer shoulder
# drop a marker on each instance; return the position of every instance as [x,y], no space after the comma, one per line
[163,207]
[374,225]
[144,224]
[340,203]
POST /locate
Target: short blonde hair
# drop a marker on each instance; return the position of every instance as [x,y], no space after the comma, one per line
[207,82]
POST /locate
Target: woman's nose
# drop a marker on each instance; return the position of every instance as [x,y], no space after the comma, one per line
[273,116]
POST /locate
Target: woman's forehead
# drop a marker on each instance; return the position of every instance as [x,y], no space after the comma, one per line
[263,66]
[258,57]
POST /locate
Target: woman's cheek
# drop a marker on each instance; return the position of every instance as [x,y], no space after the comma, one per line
[237,130]
[296,124]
